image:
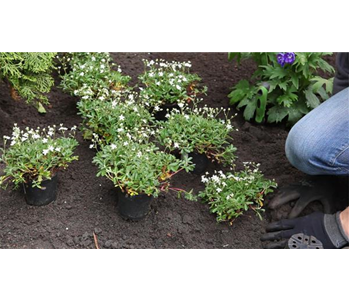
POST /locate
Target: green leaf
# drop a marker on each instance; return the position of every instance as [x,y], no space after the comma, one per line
[312,99]
[295,80]
[41,109]
[277,114]
[319,82]
[239,91]
[250,109]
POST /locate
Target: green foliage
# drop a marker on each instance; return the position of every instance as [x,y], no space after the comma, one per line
[294,89]
[94,72]
[200,130]
[36,155]
[169,83]
[29,75]
[230,195]
[138,168]
[116,118]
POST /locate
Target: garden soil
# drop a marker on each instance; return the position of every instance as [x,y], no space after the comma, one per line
[85,213]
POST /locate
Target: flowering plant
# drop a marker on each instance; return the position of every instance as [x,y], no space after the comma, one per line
[36,155]
[286,85]
[91,74]
[116,118]
[229,195]
[200,130]
[168,83]
[139,168]
[29,75]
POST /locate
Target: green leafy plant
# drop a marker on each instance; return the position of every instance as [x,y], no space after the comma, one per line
[91,74]
[139,168]
[36,155]
[168,83]
[201,130]
[29,75]
[230,195]
[114,119]
[285,85]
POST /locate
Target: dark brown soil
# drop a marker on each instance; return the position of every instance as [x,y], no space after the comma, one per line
[87,204]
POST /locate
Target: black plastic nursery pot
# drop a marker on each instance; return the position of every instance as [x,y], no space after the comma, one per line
[133,207]
[201,162]
[45,195]
[166,108]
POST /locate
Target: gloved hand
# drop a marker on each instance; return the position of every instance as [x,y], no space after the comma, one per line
[316,188]
[325,227]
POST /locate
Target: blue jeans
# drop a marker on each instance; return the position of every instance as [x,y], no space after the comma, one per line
[318,144]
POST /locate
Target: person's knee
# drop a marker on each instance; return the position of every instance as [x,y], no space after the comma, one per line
[296,149]
[302,147]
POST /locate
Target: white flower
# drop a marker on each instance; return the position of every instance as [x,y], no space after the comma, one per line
[218,190]
[93,58]
[120,129]
[215,178]
[176,145]
[82,74]
[139,154]
[36,136]
[73,128]
[6,137]
[51,148]
[121,118]
[204,179]
[102,66]
[156,108]
[58,149]
[63,128]
[50,133]
[178,87]
[13,143]
[125,143]
[91,146]
[181,105]
[113,146]
[160,73]
[151,74]
[45,152]
[184,79]
[229,127]
[44,140]
[186,117]
[158,83]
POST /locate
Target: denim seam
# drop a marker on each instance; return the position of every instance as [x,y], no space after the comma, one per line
[339,154]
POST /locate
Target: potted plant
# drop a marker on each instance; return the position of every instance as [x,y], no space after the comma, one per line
[33,159]
[229,195]
[116,117]
[89,74]
[200,134]
[140,172]
[167,84]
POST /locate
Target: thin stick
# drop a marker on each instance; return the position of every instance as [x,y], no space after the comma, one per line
[96,242]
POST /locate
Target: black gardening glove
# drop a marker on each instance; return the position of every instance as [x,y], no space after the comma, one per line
[324,189]
[324,227]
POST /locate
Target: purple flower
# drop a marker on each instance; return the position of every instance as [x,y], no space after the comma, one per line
[289,57]
[281,59]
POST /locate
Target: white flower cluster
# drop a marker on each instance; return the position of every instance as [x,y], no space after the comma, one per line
[29,135]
